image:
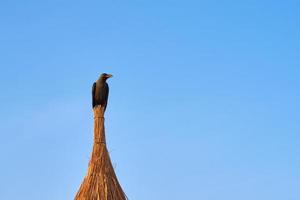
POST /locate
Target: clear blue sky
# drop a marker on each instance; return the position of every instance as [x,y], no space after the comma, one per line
[204,103]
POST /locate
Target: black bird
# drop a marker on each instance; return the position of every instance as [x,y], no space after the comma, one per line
[100,91]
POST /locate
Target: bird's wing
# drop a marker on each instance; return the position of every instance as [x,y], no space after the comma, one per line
[93,94]
[106,95]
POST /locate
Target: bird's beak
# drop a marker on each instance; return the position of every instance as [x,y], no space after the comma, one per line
[109,75]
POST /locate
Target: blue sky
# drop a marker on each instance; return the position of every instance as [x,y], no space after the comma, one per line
[204,103]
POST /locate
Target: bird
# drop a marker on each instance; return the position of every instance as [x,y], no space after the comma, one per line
[100,91]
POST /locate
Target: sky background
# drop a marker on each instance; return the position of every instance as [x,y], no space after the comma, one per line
[204,103]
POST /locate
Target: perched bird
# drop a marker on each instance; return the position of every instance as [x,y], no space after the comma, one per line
[100,91]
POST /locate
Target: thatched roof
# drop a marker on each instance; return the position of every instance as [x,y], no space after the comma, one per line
[101,182]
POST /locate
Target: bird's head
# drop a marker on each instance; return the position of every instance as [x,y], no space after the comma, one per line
[105,76]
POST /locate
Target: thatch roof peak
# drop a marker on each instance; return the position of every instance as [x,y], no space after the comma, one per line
[101,182]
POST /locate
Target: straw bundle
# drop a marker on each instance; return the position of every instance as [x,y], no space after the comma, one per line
[101,182]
